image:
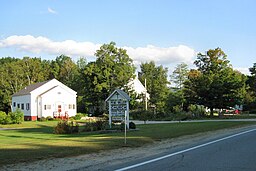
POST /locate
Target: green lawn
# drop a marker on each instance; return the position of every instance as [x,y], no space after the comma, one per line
[35,140]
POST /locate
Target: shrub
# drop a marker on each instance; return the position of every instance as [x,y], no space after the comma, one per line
[8,120]
[146,115]
[134,114]
[105,117]
[122,126]
[57,119]
[61,128]
[42,119]
[65,127]
[177,109]
[17,116]
[89,126]
[183,116]
[49,118]
[253,111]
[78,116]
[113,127]
[197,110]
[74,127]
[132,125]
[101,124]
[2,117]
[95,126]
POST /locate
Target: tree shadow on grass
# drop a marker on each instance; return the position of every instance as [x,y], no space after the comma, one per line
[42,151]
[35,152]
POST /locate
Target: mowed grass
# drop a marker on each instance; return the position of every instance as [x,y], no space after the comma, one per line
[33,141]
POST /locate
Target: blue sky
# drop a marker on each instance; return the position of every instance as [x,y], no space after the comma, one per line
[167,31]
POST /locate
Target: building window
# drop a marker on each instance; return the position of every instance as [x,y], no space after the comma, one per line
[27,106]
[46,107]
[70,106]
[22,106]
[74,106]
[18,105]
[14,104]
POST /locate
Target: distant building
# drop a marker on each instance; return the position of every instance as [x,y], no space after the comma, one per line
[48,98]
[138,88]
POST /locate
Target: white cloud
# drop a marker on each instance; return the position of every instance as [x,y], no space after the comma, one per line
[44,45]
[50,10]
[161,55]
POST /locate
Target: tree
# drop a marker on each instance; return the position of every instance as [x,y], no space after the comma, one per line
[35,70]
[112,69]
[175,98]
[252,79]
[11,81]
[64,70]
[157,84]
[180,75]
[250,97]
[8,60]
[214,84]
[15,74]
[79,84]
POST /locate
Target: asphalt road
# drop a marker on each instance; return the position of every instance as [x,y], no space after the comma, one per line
[231,153]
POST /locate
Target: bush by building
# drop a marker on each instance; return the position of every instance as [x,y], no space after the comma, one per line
[2,117]
[16,117]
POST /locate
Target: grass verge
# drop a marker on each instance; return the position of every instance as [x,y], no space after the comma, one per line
[34,140]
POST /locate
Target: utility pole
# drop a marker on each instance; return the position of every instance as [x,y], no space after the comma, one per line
[146,99]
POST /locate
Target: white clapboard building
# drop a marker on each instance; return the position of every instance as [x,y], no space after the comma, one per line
[48,98]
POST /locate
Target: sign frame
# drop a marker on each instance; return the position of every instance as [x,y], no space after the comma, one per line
[118,103]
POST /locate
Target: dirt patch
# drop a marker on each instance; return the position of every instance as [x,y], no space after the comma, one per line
[97,161]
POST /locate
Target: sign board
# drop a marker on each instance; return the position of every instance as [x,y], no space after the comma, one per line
[118,103]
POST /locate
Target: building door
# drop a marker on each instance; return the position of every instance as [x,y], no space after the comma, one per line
[59,108]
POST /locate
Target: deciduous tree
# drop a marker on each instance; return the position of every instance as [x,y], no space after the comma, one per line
[180,75]
[215,84]
[112,69]
[157,84]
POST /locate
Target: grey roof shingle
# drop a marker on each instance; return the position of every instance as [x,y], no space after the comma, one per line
[30,88]
[124,94]
[121,92]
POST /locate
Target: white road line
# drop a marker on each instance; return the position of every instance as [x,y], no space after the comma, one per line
[183,151]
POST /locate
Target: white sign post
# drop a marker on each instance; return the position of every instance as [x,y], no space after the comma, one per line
[125,125]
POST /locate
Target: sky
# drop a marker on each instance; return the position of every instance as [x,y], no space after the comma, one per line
[166,31]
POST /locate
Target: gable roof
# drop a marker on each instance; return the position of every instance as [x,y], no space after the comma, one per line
[136,85]
[120,92]
[30,88]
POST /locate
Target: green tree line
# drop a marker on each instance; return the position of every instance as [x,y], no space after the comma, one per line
[213,83]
